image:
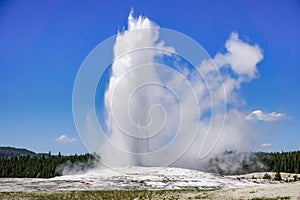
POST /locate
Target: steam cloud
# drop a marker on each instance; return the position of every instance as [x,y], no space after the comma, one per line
[153,108]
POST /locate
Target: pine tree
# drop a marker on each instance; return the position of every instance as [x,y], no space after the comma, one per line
[277,176]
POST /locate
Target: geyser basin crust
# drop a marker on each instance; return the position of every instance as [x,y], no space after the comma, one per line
[182,183]
[126,178]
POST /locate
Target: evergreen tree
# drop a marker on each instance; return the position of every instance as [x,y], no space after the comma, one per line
[277,176]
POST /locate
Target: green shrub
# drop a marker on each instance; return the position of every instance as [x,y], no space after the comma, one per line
[267,176]
[277,176]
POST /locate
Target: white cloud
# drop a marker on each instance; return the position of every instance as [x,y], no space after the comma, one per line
[241,56]
[65,139]
[265,146]
[261,116]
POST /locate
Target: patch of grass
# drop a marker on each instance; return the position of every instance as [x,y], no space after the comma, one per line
[115,194]
[100,195]
[274,198]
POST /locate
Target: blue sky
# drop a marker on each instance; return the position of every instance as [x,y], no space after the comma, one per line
[42,45]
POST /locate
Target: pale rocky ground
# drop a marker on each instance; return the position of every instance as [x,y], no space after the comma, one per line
[291,190]
[204,185]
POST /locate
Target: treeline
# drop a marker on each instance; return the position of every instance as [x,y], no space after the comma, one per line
[232,162]
[43,166]
[281,162]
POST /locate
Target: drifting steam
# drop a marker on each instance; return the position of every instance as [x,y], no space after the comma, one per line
[155,107]
[165,104]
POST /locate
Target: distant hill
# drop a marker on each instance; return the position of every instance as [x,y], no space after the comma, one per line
[8,152]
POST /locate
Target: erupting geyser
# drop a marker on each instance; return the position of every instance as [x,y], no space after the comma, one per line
[165,101]
[134,95]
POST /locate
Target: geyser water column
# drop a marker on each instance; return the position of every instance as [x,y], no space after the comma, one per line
[156,101]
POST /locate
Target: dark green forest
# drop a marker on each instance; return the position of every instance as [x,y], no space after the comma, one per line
[283,162]
[47,165]
[232,162]
[43,166]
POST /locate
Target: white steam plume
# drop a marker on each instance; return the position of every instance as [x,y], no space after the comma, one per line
[149,105]
[128,118]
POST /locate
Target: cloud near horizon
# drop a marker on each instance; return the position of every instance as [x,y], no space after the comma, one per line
[65,139]
[266,146]
[258,115]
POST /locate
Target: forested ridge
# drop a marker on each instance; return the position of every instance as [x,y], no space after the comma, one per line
[232,162]
[12,151]
[33,165]
[283,162]
[43,166]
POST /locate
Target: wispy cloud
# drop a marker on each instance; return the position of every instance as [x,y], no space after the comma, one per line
[265,146]
[65,139]
[261,116]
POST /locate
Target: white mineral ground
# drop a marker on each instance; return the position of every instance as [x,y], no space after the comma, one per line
[161,178]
